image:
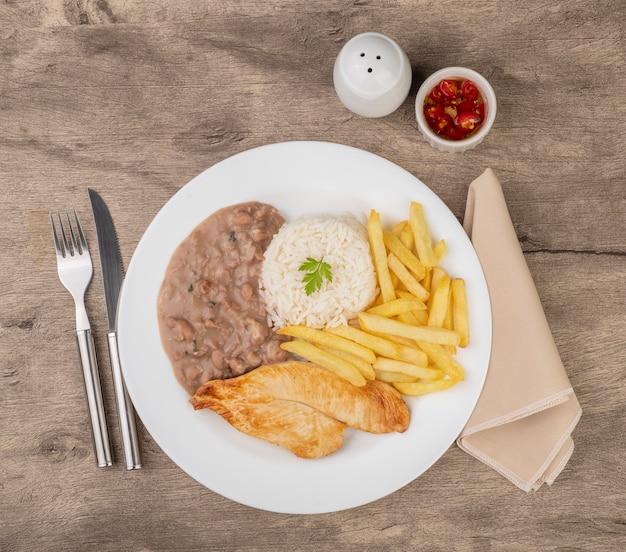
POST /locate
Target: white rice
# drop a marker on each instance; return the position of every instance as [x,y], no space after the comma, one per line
[340,241]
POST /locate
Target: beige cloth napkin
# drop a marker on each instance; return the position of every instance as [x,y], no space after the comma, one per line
[524,417]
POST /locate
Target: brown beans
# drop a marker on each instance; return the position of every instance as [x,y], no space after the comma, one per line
[247,292]
[213,323]
[181,329]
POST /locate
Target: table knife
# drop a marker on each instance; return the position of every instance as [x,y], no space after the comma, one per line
[113,276]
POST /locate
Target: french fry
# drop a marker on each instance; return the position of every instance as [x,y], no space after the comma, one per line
[427,281]
[364,367]
[461,317]
[418,372]
[407,351]
[393,377]
[421,234]
[334,341]
[448,321]
[411,318]
[409,281]
[420,317]
[400,227]
[382,346]
[331,362]
[405,255]
[379,256]
[423,387]
[398,306]
[436,273]
[441,358]
[401,341]
[394,282]
[441,336]
[439,304]
[404,232]
[440,250]
[417,317]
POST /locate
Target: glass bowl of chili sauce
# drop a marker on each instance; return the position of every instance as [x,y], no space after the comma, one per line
[455,108]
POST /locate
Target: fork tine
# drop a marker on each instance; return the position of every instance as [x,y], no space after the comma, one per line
[57,244]
[66,245]
[81,236]
[75,250]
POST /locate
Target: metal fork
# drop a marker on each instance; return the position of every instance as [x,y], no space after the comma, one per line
[75,272]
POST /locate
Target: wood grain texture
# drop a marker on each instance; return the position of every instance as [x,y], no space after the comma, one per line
[134,98]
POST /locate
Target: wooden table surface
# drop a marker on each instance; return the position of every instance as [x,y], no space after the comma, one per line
[135,98]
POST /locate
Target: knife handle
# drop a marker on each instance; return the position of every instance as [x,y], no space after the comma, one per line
[95,403]
[125,410]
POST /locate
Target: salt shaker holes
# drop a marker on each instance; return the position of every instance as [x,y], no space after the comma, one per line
[370,69]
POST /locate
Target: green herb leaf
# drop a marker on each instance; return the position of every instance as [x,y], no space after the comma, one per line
[316,272]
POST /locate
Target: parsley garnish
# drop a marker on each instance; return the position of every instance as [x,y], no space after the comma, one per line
[316,272]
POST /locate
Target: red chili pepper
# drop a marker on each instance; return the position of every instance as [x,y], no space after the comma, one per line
[467,121]
[454,133]
[450,88]
[433,112]
[465,106]
[443,123]
[436,95]
[469,91]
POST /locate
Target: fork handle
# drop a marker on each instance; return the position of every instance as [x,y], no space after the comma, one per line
[94,398]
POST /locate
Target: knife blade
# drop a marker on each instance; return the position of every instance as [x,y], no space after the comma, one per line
[113,276]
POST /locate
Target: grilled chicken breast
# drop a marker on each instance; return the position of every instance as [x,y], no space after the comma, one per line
[294,426]
[302,406]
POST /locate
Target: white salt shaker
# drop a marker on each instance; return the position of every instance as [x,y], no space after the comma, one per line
[372,75]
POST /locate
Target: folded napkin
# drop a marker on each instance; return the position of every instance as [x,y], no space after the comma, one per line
[525,415]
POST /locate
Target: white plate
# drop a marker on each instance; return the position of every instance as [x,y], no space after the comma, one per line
[297,178]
